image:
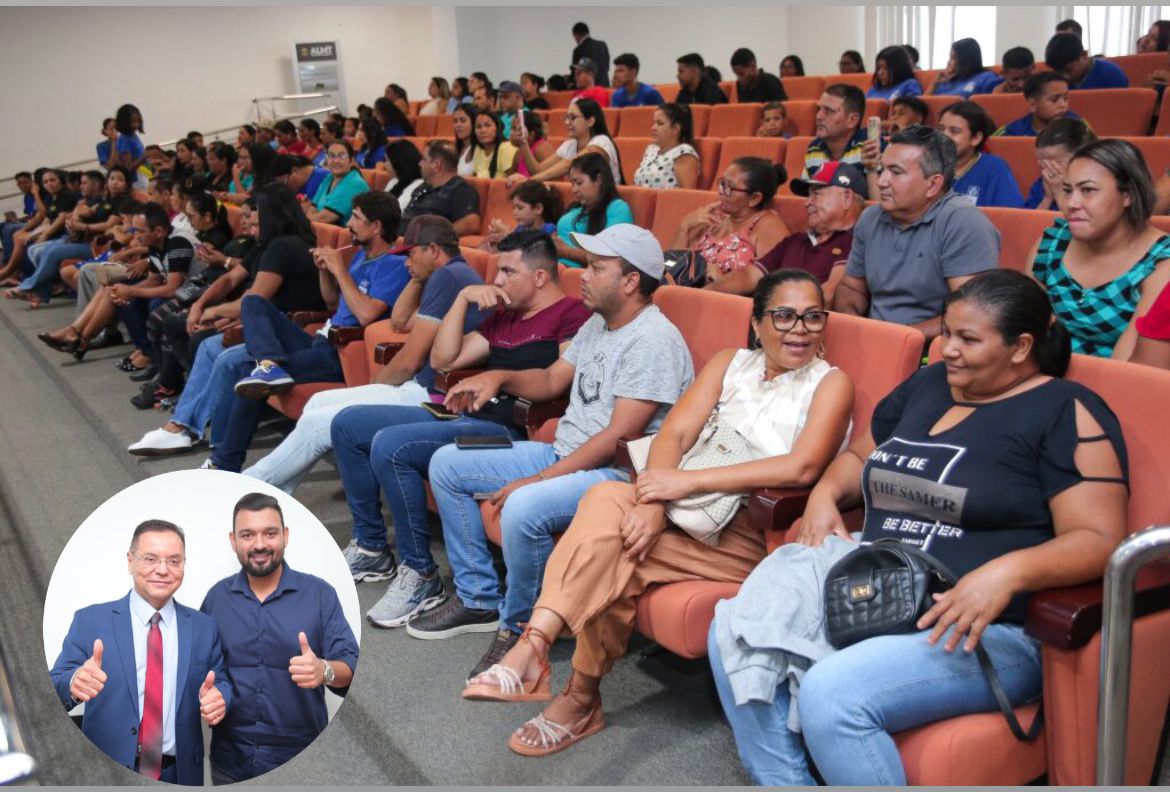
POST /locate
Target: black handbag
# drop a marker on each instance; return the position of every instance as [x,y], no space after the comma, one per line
[686,267]
[884,588]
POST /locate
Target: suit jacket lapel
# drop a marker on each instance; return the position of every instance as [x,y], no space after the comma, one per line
[183,621]
[124,639]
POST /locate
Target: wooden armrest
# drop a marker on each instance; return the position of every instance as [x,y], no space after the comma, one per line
[445,380]
[341,336]
[532,415]
[306,318]
[1068,618]
[772,512]
[233,335]
[621,457]
[385,351]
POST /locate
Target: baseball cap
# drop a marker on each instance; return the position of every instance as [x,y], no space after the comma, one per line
[630,242]
[427,230]
[508,86]
[833,174]
[587,64]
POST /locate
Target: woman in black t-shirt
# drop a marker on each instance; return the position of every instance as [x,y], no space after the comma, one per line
[1011,476]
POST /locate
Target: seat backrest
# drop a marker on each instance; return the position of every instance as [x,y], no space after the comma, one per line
[426,125]
[793,211]
[936,105]
[671,207]
[558,99]
[377,333]
[730,89]
[1115,111]
[669,91]
[802,118]
[1003,108]
[381,179]
[794,161]
[641,201]
[327,235]
[1020,154]
[477,259]
[876,355]
[1155,151]
[709,152]
[864,81]
[709,321]
[636,121]
[368,175]
[420,143]
[492,269]
[444,126]
[926,77]
[630,150]
[804,87]
[613,120]
[1019,230]
[735,119]
[877,107]
[1137,67]
[733,148]
[571,281]
[498,206]
[481,186]
[1163,127]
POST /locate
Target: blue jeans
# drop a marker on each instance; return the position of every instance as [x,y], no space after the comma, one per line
[134,314]
[6,232]
[531,515]
[209,382]
[852,701]
[48,267]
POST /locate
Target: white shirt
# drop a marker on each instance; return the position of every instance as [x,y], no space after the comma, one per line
[140,613]
[568,151]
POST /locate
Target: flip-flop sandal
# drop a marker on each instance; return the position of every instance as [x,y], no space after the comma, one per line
[7,282]
[15,294]
[555,737]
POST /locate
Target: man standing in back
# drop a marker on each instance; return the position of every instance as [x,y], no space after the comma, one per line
[594,50]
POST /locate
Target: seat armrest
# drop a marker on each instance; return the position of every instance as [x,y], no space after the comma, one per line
[532,415]
[306,318]
[385,352]
[343,336]
[445,380]
[1069,617]
[772,512]
[621,458]
[233,335]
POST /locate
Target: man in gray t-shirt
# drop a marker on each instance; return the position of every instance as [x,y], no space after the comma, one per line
[920,243]
[622,372]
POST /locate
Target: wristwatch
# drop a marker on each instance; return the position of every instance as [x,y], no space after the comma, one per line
[330,675]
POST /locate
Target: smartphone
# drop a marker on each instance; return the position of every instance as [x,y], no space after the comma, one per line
[874,128]
[520,121]
[492,441]
[439,410]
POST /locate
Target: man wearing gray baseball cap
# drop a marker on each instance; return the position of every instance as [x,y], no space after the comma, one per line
[624,369]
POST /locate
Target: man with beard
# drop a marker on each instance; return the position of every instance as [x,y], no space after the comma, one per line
[284,638]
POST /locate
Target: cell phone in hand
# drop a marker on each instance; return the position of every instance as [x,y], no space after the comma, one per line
[874,128]
[490,441]
[439,410]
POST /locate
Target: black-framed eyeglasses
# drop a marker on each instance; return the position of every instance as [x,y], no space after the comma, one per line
[726,188]
[784,319]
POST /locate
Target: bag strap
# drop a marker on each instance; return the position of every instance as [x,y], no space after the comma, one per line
[1001,697]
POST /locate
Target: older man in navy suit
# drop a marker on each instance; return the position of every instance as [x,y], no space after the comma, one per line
[146,667]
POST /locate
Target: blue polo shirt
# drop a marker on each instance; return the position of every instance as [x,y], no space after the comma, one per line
[990,183]
[1102,74]
[30,204]
[382,278]
[645,95]
[314,183]
[908,87]
[271,719]
[1022,127]
[980,83]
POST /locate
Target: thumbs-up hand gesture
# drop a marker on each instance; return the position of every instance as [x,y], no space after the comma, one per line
[211,704]
[306,669]
[89,680]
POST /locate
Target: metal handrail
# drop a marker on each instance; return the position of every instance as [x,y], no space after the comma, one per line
[16,765]
[289,96]
[1127,560]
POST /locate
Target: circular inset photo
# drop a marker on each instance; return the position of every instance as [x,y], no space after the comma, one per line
[201,597]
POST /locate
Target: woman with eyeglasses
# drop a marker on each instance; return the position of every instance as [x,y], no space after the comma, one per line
[790,406]
[333,202]
[740,227]
[587,133]
[597,207]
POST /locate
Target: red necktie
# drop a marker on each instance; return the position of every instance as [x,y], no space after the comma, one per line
[150,731]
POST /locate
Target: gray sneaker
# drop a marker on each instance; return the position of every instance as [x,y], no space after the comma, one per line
[409,593]
[368,565]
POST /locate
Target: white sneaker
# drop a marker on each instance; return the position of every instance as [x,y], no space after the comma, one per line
[159,442]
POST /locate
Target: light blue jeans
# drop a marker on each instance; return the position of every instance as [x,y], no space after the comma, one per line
[853,700]
[211,379]
[531,515]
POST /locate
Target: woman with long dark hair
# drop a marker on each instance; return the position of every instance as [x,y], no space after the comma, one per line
[492,157]
[893,75]
[587,131]
[597,206]
[404,163]
[965,75]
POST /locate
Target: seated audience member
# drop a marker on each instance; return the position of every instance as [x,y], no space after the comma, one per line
[440,94]
[393,119]
[463,122]
[369,145]
[695,86]
[1158,37]
[965,75]
[1101,261]
[791,66]
[404,164]
[388,449]
[1018,63]
[752,83]
[620,541]
[893,75]
[309,132]
[196,137]
[249,172]
[851,62]
[299,173]
[1047,97]
[90,199]
[189,163]
[460,94]
[58,202]
[478,80]
[597,207]
[485,100]
[331,131]
[905,111]
[1070,26]
[334,199]
[585,78]
[511,103]
[983,177]
[774,120]
[623,370]
[535,207]
[279,268]
[558,82]
[1046,513]
[840,127]
[835,197]
[918,219]
[734,231]
[445,193]
[30,203]
[437,274]
[1152,347]
[532,84]
[671,159]
[245,137]
[1065,53]
[587,132]
[283,353]
[493,157]
[221,158]
[1055,147]
[288,142]
[627,91]
[350,128]
[538,142]
[397,94]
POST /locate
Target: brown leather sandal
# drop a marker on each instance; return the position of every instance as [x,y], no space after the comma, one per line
[556,737]
[501,683]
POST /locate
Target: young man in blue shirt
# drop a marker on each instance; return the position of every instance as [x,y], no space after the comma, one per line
[1047,97]
[627,91]
[1065,53]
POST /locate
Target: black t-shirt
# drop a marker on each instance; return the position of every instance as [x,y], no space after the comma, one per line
[980,489]
[289,257]
[63,201]
[708,93]
[767,88]
[539,103]
[102,207]
[454,200]
[175,256]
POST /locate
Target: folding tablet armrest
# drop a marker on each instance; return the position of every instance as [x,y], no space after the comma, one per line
[445,380]
[343,336]
[773,511]
[233,335]
[621,458]
[306,318]
[385,351]
[1069,617]
[532,415]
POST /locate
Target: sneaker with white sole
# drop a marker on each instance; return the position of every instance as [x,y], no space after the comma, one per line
[159,442]
[267,379]
[208,465]
[452,619]
[369,565]
[409,593]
